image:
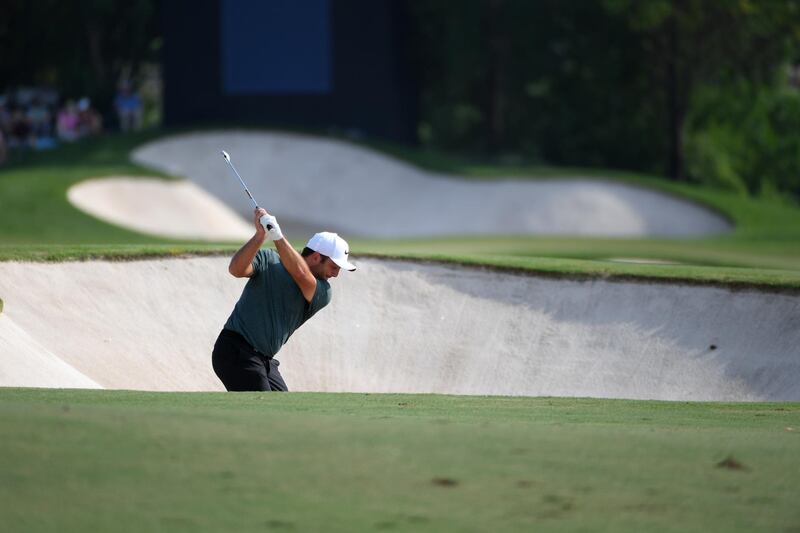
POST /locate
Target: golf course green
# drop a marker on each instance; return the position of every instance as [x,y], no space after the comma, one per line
[764,248]
[79,460]
[130,461]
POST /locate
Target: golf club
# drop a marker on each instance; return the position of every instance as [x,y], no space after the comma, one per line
[227,159]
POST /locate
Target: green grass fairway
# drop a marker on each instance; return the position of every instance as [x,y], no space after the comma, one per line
[38,223]
[131,461]
[33,192]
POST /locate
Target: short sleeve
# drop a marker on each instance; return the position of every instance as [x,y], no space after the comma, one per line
[263,260]
[322,297]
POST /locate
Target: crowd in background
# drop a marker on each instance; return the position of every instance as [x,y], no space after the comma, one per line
[39,119]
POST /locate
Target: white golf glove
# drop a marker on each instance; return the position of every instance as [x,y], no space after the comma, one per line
[270,224]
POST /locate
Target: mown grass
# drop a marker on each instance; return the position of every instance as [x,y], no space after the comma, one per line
[135,461]
[113,252]
[766,231]
[730,277]
[37,223]
[33,192]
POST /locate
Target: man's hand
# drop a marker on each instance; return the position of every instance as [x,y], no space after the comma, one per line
[264,220]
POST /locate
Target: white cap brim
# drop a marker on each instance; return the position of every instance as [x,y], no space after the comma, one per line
[344,263]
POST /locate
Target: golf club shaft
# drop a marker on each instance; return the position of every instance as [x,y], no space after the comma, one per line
[255,204]
[227,159]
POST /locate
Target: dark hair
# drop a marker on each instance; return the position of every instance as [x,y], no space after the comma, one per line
[308,251]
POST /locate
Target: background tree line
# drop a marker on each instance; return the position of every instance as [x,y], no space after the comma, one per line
[79,47]
[699,90]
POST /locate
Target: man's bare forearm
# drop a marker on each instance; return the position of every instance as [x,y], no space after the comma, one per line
[242,260]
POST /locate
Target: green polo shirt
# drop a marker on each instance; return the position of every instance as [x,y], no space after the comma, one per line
[272,306]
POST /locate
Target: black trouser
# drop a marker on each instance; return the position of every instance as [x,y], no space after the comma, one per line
[242,368]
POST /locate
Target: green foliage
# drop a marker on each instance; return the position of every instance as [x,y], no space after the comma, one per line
[608,83]
[709,155]
[745,135]
[544,80]
[81,48]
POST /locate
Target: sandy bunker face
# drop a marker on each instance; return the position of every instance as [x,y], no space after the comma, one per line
[311,182]
[403,327]
[175,209]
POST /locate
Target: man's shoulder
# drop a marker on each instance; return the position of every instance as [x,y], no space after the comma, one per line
[325,285]
[264,260]
[270,254]
[324,291]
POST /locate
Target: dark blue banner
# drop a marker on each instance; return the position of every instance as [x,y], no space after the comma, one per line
[276,46]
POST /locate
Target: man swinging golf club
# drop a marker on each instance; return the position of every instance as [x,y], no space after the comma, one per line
[285,289]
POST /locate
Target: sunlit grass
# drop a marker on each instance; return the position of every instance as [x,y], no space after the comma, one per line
[37,223]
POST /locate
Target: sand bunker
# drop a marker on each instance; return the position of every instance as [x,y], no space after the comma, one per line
[404,327]
[175,209]
[315,183]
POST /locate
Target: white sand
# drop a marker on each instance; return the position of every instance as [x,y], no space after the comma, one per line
[177,209]
[316,183]
[404,327]
[26,363]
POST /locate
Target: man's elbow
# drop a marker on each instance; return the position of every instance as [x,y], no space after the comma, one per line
[236,271]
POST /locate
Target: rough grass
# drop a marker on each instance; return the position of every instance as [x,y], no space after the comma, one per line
[131,461]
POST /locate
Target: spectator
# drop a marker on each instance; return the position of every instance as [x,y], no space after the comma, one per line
[21,132]
[3,148]
[129,108]
[90,122]
[39,118]
[5,118]
[5,129]
[41,121]
[68,122]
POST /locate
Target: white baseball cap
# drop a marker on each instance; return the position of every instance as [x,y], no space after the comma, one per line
[333,246]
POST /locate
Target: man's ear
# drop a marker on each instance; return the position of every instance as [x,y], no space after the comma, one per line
[315,258]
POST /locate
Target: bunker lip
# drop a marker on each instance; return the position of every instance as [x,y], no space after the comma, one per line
[188,252]
[641,278]
[449,330]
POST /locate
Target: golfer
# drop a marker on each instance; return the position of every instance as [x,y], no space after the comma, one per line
[284,290]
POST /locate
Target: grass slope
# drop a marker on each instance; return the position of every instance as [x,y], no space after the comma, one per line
[134,461]
[38,223]
[766,234]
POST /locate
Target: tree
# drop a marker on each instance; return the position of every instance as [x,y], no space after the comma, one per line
[78,47]
[551,80]
[690,43]
[593,83]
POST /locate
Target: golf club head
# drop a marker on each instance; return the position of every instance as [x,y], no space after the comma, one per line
[226,156]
